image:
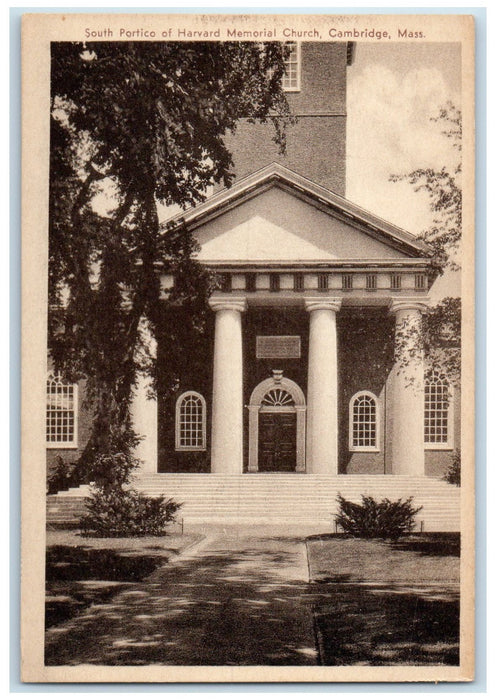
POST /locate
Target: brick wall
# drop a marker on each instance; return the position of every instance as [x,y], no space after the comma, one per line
[316,144]
[83,433]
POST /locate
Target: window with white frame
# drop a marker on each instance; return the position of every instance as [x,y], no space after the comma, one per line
[191,422]
[292,62]
[364,422]
[61,412]
[438,426]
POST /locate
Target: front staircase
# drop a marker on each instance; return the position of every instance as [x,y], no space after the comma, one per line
[299,499]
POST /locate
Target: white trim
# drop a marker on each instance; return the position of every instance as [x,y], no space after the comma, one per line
[363,448]
[277,174]
[67,445]
[186,448]
[449,444]
[296,88]
[255,408]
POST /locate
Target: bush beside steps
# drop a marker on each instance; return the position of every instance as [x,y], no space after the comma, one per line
[384,519]
[114,511]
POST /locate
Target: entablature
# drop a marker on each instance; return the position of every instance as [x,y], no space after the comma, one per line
[285,283]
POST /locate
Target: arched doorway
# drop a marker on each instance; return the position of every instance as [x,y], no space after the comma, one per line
[277,426]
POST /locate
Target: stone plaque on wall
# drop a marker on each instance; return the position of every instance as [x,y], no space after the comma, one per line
[278,346]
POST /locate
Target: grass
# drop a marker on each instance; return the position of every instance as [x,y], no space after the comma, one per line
[383,603]
[81,571]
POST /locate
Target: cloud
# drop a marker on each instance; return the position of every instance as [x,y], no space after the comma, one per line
[390,131]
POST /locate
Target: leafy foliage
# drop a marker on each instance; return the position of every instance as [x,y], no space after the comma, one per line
[135,125]
[439,337]
[60,476]
[118,512]
[385,519]
[453,474]
[445,195]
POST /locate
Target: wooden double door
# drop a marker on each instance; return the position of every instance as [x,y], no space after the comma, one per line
[277,442]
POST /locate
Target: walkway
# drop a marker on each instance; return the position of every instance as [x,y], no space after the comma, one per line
[234,600]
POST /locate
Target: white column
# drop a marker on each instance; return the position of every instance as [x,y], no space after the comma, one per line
[227,400]
[408,389]
[322,394]
[144,414]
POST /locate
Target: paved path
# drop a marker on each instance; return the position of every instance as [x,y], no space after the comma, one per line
[234,600]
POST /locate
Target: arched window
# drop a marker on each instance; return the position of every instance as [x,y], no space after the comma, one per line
[191,422]
[364,422]
[438,428]
[61,413]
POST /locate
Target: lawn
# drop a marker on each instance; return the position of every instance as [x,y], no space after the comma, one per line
[383,603]
[81,571]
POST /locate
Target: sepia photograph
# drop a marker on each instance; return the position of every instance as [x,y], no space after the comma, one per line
[248,319]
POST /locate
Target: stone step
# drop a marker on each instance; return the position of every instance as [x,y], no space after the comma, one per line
[260,498]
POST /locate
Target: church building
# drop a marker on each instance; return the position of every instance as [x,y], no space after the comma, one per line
[309,382]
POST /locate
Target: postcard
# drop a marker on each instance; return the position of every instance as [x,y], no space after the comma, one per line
[247,348]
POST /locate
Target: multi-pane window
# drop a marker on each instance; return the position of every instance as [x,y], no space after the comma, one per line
[364,423]
[191,423]
[61,412]
[437,428]
[291,77]
[347,281]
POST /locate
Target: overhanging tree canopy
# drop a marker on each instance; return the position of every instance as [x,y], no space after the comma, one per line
[146,121]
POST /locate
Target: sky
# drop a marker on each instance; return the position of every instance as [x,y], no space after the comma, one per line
[393,91]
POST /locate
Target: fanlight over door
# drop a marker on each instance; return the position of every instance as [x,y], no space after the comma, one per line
[277,426]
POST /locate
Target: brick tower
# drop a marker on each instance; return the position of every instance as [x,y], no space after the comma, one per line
[316,145]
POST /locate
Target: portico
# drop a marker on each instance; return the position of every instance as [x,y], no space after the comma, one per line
[313,364]
[315,406]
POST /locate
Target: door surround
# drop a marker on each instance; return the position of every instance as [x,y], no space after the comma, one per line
[298,406]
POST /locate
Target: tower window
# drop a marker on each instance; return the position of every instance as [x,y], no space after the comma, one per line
[364,423]
[292,64]
[61,412]
[191,422]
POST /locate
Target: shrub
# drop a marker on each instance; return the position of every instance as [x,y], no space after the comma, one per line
[385,519]
[121,512]
[112,470]
[453,474]
[61,476]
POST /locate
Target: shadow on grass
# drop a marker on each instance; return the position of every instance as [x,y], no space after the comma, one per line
[67,568]
[241,607]
[438,544]
[227,607]
[65,563]
[380,626]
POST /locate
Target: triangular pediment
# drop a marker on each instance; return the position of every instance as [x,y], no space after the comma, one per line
[276,215]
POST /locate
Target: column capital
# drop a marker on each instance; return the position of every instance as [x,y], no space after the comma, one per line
[408,304]
[326,303]
[227,303]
